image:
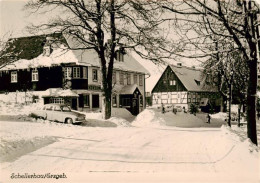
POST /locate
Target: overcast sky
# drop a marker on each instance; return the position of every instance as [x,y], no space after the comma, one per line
[14,19]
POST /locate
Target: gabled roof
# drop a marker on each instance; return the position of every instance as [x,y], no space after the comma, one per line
[191,78]
[125,90]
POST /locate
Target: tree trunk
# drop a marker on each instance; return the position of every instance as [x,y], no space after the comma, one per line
[107,105]
[229,104]
[252,84]
[239,114]
[251,102]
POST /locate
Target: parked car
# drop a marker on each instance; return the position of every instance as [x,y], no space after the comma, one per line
[58,112]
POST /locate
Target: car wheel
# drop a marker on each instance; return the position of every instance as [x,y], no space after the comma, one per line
[69,121]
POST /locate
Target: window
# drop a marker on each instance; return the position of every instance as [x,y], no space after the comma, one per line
[135,79]
[35,75]
[114,103]
[114,78]
[121,78]
[86,100]
[140,80]
[126,102]
[85,72]
[119,56]
[14,77]
[76,72]
[172,82]
[68,72]
[128,78]
[56,100]
[57,108]
[141,100]
[49,108]
[95,75]
[65,109]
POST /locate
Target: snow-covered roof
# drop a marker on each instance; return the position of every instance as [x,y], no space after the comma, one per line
[191,78]
[128,89]
[29,59]
[27,47]
[59,92]
[125,90]
[57,57]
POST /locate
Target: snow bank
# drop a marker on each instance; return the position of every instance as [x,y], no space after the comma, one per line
[220,115]
[154,118]
[10,149]
[149,118]
[16,141]
[120,122]
[18,109]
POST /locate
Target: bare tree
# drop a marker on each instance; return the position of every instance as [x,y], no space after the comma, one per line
[105,26]
[230,21]
[5,56]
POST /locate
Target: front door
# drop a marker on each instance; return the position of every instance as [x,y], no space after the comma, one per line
[95,101]
[74,103]
[135,106]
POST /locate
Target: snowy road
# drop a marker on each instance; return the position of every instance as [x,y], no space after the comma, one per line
[141,150]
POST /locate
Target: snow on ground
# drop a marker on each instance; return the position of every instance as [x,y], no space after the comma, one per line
[153,143]
[76,149]
[152,117]
[220,115]
[18,109]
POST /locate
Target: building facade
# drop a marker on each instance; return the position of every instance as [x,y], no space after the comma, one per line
[55,69]
[181,86]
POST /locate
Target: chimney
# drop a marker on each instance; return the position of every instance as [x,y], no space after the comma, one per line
[47,49]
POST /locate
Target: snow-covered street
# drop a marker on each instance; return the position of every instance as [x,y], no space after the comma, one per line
[60,148]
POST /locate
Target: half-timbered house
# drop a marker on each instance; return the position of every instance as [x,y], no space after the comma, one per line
[181,86]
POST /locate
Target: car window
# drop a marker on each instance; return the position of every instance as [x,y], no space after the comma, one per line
[49,108]
[57,108]
[65,108]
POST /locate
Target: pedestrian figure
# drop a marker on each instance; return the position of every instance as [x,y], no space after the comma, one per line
[208,117]
[163,109]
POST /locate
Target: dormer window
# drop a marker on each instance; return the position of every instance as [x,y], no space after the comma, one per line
[197,82]
[119,56]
